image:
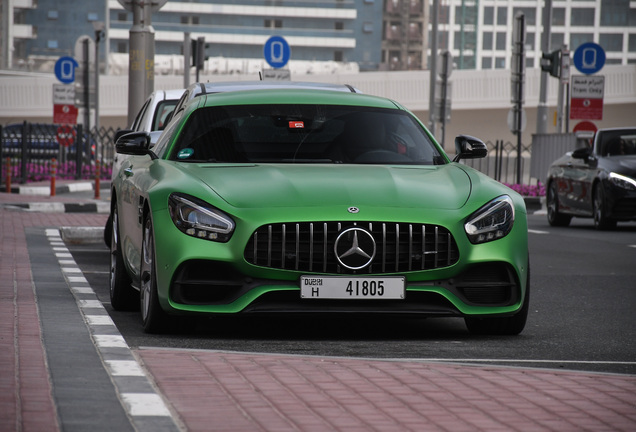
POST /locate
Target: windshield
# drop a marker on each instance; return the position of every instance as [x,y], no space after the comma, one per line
[619,142]
[304,134]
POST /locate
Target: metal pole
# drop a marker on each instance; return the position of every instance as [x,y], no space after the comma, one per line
[87,105]
[141,67]
[186,59]
[542,109]
[433,67]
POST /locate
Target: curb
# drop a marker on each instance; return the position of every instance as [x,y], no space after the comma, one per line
[61,189]
[58,207]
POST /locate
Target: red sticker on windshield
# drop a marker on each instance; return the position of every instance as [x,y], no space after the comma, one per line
[296,124]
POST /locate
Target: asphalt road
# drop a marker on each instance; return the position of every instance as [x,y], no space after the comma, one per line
[582,314]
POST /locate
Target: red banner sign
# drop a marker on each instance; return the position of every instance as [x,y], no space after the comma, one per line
[65,114]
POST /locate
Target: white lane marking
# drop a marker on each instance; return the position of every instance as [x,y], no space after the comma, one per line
[76,279]
[99,320]
[82,290]
[110,341]
[90,304]
[537,232]
[145,404]
[125,368]
[71,270]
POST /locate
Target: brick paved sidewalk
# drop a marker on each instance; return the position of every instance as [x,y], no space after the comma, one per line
[224,391]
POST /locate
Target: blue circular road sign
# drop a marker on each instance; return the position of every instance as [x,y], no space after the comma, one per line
[276,51]
[589,58]
[65,69]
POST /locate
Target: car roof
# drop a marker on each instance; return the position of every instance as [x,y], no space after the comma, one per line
[217,87]
[292,95]
[199,89]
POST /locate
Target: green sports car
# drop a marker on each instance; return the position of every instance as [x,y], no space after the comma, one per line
[305,201]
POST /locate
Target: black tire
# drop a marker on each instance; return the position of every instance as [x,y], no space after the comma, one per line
[601,221]
[153,317]
[510,326]
[108,231]
[555,218]
[123,297]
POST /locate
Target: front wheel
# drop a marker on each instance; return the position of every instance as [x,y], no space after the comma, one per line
[555,218]
[123,296]
[153,317]
[601,221]
[512,325]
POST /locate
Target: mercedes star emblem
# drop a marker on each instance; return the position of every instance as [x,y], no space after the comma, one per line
[355,248]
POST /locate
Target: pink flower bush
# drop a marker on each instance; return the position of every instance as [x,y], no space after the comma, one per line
[528,190]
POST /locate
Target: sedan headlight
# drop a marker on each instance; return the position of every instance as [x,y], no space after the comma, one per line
[199,219]
[491,222]
[622,181]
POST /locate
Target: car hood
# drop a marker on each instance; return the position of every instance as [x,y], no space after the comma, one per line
[287,185]
[625,165]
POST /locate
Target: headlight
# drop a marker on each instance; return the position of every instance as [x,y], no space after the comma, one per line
[199,219]
[491,222]
[622,181]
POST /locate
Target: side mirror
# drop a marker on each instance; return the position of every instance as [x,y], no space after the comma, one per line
[121,132]
[468,147]
[135,143]
[582,153]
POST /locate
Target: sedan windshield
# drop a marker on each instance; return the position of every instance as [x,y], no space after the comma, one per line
[286,133]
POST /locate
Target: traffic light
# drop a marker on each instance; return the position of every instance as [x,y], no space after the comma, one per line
[197,48]
[552,63]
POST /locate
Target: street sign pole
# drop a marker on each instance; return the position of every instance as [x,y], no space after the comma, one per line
[542,109]
[517,82]
[141,60]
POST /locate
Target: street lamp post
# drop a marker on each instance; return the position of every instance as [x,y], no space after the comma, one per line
[98,26]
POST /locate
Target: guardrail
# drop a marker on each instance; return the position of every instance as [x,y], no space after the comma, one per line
[30,149]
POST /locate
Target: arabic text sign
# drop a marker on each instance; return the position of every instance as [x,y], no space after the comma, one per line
[586,102]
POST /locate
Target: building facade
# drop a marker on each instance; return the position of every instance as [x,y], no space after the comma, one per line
[325,35]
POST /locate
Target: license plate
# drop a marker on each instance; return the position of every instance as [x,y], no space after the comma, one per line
[337,287]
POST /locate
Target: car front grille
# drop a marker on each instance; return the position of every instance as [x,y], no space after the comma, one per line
[309,247]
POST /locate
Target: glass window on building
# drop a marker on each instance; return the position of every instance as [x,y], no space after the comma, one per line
[582,17]
[529,13]
[51,44]
[444,14]
[611,42]
[486,63]
[338,25]
[614,13]
[501,41]
[530,41]
[529,62]
[500,63]
[631,45]
[558,16]
[502,16]
[122,16]
[91,16]
[489,16]
[557,41]
[486,42]
[367,27]
[53,15]
[273,23]
[122,47]
[338,56]
[465,15]
[578,39]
